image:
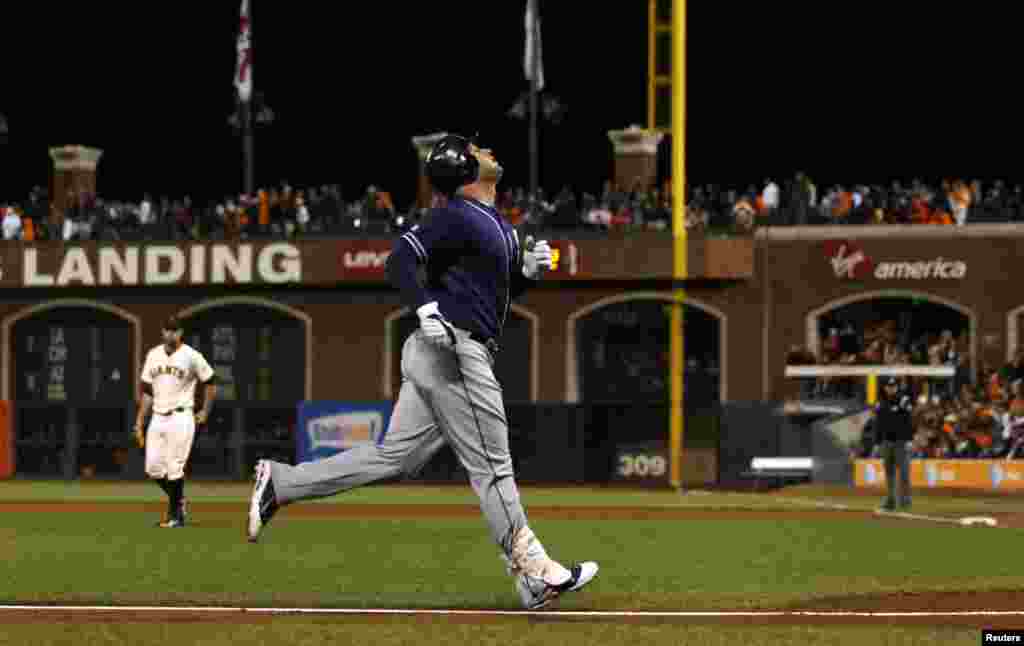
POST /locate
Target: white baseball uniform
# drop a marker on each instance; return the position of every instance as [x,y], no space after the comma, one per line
[171,430]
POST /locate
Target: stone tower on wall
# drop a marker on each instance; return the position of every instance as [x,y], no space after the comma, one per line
[74,170]
[636,156]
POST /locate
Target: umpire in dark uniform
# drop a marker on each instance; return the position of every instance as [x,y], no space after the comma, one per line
[894,427]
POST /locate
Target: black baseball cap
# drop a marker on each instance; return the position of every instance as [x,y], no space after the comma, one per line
[173,324]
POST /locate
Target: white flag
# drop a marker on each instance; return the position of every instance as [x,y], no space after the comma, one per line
[243,66]
[533,46]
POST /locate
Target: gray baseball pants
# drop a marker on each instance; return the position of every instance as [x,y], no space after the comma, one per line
[432,409]
[896,457]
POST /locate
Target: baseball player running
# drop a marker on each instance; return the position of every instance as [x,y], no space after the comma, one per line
[169,379]
[473,266]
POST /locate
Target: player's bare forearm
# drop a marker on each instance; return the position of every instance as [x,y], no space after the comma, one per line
[144,405]
[208,399]
[209,395]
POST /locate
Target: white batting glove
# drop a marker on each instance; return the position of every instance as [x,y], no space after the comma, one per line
[435,327]
[536,259]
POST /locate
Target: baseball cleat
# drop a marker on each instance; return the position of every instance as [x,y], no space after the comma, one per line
[171,522]
[536,594]
[263,504]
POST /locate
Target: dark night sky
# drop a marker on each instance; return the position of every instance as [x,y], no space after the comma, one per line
[850,95]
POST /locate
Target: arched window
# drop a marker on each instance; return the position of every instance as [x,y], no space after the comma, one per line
[71,351]
[619,351]
[905,321]
[259,348]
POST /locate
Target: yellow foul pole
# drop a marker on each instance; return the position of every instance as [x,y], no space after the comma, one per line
[677,349]
[872,389]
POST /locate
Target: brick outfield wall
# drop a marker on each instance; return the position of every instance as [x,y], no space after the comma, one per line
[766,293]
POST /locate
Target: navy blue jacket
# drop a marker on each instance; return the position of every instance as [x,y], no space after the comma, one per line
[473,266]
[894,417]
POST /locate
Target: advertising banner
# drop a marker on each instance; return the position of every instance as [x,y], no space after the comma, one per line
[329,261]
[326,428]
[850,261]
[998,475]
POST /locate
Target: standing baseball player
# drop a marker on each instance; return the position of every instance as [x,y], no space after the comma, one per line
[169,379]
[473,266]
[894,426]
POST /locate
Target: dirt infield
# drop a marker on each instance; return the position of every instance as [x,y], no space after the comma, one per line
[874,609]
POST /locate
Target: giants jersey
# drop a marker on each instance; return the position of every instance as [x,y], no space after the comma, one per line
[174,377]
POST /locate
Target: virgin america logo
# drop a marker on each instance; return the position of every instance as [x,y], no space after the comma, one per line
[848,260]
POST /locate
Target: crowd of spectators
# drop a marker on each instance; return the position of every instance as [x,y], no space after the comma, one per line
[797,201]
[958,417]
[286,211]
[281,212]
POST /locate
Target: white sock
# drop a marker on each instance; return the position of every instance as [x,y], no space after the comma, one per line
[529,557]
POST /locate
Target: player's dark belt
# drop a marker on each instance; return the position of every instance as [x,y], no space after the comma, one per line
[489,343]
[179,409]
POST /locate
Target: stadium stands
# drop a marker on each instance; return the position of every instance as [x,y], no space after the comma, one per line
[286,211]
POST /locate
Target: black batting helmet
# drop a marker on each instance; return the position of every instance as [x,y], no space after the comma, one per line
[450,164]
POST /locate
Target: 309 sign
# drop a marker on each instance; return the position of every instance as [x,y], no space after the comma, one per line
[642,466]
[641,463]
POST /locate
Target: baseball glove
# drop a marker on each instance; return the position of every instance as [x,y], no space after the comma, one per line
[140,437]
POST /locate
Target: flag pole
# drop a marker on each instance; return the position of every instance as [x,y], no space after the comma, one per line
[534,71]
[248,145]
[248,138]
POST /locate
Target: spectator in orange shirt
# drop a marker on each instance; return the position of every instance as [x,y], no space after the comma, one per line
[384,203]
[759,206]
[28,229]
[843,203]
[743,212]
[960,199]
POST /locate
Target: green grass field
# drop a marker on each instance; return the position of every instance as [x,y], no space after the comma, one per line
[108,557]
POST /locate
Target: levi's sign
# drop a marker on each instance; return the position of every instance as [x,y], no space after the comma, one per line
[156,264]
[365,259]
[849,261]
